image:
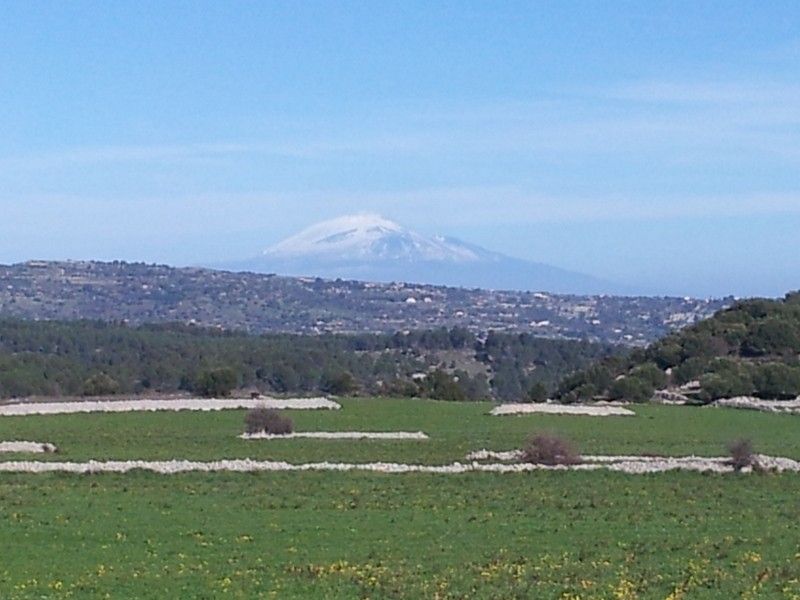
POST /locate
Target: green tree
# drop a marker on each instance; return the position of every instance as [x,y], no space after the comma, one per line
[777,380]
[100,384]
[338,383]
[631,389]
[537,392]
[442,386]
[216,383]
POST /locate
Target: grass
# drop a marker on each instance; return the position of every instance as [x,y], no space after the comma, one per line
[361,535]
[313,535]
[455,429]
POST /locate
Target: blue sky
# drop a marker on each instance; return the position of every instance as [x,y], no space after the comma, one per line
[657,144]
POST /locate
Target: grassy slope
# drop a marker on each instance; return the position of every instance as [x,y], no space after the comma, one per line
[325,535]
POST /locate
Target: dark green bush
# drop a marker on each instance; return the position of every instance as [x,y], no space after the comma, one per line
[650,373]
[100,384]
[338,383]
[216,383]
[776,380]
[631,389]
[537,392]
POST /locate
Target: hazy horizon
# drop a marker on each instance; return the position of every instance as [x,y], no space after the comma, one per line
[653,145]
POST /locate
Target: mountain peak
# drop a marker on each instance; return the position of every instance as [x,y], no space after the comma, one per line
[369,247]
[367,236]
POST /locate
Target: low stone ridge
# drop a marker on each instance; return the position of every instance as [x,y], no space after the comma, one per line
[339,435]
[629,465]
[30,447]
[751,403]
[604,410]
[201,404]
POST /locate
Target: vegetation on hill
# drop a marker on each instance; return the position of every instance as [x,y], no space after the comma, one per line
[750,349]
[95,358]
[138,293]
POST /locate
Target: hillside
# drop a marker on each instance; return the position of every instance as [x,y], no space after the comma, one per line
[94,358]
[749,349]
[139,293]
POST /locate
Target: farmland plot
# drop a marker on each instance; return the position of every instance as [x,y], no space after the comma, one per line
[309,534]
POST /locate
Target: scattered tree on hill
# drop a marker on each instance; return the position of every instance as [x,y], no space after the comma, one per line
[752,348]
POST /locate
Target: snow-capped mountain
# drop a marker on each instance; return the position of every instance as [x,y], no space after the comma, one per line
[372,238]
[371,248]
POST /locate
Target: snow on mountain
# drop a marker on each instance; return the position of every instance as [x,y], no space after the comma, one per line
[369,247]
[369,237]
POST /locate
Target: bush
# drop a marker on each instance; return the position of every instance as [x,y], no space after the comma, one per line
[265,420]
[216,383]
[537,392]
[777,380]
[650,373]
[100,384]
[441,386]
[549,449]
[666,354]
[339,383]
[689,370]
[631,389]
[725,384]
[741,453]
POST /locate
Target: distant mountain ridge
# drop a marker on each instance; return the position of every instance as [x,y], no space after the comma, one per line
[371,248]
[138,293]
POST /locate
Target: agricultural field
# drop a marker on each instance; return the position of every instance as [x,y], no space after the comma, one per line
[543,534]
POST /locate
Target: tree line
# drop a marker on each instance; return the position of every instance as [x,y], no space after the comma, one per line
[92,358]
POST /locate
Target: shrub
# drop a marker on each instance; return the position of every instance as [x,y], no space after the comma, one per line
[265,420]
[650,373]
[777,380]
[549,449]
[338,383]
[689,370]
[631,389]
[100,384]
[439,385]
[216,382]
[666,354]
[725,384]
[741,453]
[537,392]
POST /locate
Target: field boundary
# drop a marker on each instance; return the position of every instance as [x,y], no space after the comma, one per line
[624,464]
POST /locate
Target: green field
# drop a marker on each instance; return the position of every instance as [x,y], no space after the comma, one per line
[363,535]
